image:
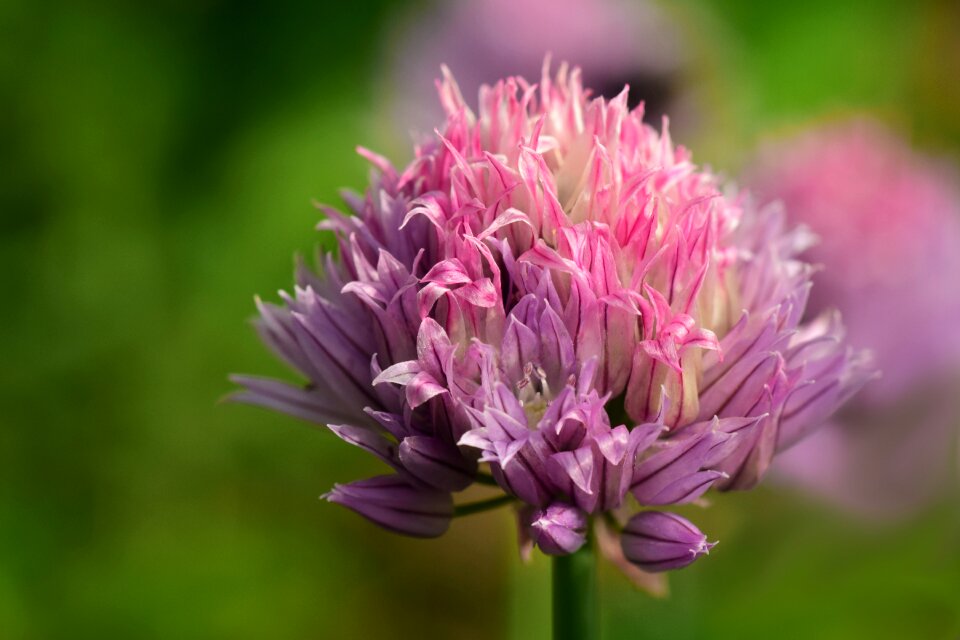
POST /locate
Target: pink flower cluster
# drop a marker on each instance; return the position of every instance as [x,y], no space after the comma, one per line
[552,297]
[888,227]
[888,220]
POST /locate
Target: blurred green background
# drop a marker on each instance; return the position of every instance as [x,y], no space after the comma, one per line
[158,162]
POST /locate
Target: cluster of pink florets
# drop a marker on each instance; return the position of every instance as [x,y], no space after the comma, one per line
[553,297]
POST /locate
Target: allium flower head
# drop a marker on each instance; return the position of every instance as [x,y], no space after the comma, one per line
[552,293]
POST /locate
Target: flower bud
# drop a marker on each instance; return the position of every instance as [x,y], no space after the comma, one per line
[437,463]
[657,541]
[559,529]
[674,473]
[394,504]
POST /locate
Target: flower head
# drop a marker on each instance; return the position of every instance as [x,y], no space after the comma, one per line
[551,292]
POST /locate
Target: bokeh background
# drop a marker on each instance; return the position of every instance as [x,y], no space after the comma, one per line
[157,163]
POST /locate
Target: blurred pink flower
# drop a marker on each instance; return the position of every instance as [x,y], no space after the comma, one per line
[888,223]
[614,42]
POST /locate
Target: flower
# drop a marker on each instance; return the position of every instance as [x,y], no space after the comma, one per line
[550,297]
[559,529]
[613,41]
[888,220]
[657,541]
[397,505]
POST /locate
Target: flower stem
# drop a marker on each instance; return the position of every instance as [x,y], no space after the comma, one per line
[576,614]
[481,505]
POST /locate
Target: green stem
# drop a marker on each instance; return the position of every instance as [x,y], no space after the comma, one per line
[481,505]
[576,615]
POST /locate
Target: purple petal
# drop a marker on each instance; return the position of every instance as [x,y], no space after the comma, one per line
[309,405]
[437,463]
[576,473]
[674,462]
[368,440]
[421,388]
[396,505]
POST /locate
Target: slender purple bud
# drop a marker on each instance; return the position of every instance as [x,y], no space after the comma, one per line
[559,529]
[394,504]
[437,463]
[658,541]
[674,473]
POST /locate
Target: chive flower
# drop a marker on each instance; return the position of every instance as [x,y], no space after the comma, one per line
[550,297]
